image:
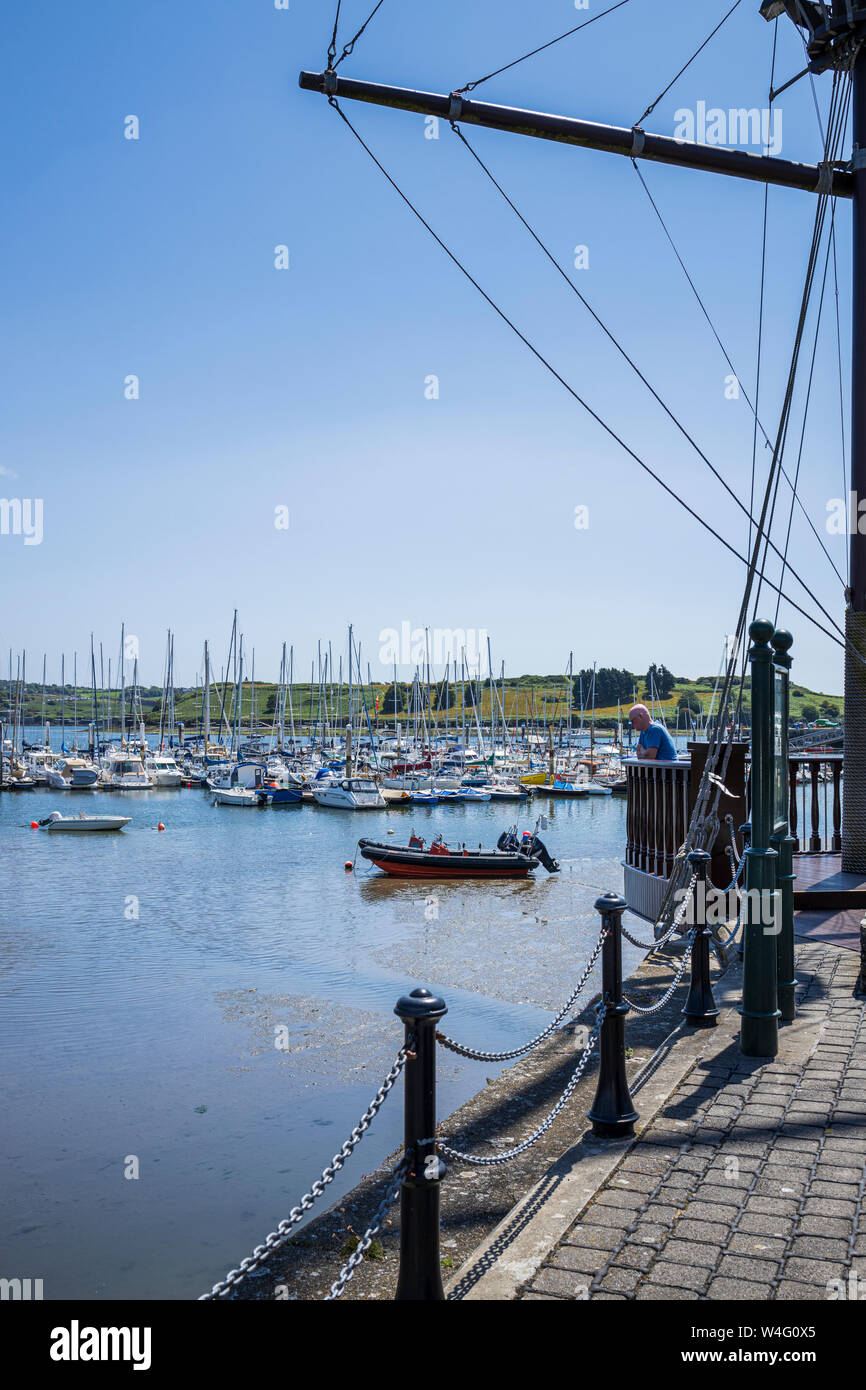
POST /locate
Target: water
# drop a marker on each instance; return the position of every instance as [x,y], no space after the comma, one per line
[144,976]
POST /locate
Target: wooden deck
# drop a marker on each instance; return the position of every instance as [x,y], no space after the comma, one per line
[820,883]
[838,926]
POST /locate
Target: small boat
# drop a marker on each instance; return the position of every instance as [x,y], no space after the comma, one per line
[349,794]
[512,858]
[73,774]
[81,822]
[239,796]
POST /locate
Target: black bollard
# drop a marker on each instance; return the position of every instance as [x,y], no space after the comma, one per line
[420,1277]
[612,1113]
[746,837]
[700,1007]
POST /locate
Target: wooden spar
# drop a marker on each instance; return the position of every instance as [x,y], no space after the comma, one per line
[634,143]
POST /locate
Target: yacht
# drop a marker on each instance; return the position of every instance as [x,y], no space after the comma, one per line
[123,773]
[163,770]
[350,794]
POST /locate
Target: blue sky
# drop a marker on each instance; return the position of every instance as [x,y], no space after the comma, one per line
[305,388]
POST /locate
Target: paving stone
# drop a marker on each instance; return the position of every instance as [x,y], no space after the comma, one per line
[635,1256]
[593,1237]
[725,1288]
[821,1247]
[608,1297]
[620,1197]
[750,1267]
[610,1216]
[692,1252]
[660,1214]
[825,1206]
[636,1182]
[716,1193]
[560,1281]
[779,1187]
[761,1246]
[757,1223]
[772,1206]
[790,1292]
[813,1271]
[840,1191]
[664,1293]
[710,1211]
[647,1233]
[709,1232]
[579,1258]
[678,1276]
[619,1280]
[823,1226]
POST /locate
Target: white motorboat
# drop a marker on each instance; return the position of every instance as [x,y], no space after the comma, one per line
[79,823]
[73,774]
[238,796]
[121,772]
[163,770]
[349,794]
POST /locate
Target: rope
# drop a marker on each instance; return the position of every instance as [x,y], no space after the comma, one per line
[621,350]
[350,46]
[470,86]
[664,93]
[570,389]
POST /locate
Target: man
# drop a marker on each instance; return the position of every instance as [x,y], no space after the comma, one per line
[655,743]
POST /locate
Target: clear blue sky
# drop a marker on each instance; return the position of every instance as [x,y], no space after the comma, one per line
[306,387]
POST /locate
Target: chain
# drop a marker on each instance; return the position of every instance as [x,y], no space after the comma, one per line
[675,925]
[666,996]
[284,1229]
[455,1154]
[366,1240]
[462,1051]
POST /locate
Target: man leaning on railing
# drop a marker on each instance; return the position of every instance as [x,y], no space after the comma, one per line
[654,743]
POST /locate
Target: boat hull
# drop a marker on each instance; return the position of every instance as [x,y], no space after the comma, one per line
[406,863]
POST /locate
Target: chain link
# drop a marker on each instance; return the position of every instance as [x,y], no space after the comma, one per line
[479,1162]
[674,927]
[660,1003]
[278,1237]
[366,1240]
[462,1051]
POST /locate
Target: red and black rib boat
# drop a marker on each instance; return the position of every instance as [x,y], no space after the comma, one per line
[513,858]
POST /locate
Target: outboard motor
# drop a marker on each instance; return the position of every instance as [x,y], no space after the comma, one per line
[508,841]
[540,852]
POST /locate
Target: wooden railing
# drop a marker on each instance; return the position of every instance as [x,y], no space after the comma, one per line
[815,803]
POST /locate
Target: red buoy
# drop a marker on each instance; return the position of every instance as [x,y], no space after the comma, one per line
[348,864]
[160,826]
[34,825]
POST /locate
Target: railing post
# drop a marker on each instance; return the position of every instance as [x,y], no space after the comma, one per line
[612,1113]
[759,1026]
[420,1276]
[700,1007]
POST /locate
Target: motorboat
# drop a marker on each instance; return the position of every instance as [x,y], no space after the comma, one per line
[163,770]
[512,858]
[122,772]
[80,823]
[73,774]
[239,796]
[349,794]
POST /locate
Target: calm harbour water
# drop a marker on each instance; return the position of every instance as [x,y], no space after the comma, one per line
[145,976]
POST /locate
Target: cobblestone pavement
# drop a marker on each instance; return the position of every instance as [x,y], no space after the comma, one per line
[751,1181]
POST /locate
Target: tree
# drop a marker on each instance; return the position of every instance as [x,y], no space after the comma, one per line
[829,710]
[611,685]
[809,713]
[660,679]
[690,703]
[388,706]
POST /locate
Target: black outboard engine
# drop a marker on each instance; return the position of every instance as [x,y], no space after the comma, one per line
[509,843]
[539,850]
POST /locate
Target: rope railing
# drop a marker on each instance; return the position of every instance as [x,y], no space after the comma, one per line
[418,1174]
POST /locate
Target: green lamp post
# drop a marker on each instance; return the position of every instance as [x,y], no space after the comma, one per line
[782,840]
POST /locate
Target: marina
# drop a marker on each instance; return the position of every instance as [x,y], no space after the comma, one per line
[538,970]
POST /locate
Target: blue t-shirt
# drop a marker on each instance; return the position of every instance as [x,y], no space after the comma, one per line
[656,736]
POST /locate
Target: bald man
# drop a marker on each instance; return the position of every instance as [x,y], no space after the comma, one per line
[655,743]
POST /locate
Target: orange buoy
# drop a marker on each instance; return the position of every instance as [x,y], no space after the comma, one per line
[160,826]
[34,825]
[348,864]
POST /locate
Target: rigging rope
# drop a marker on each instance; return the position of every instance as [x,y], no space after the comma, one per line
[652,106]
[571,285]
[350,46]
[562,381]
[470,86]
